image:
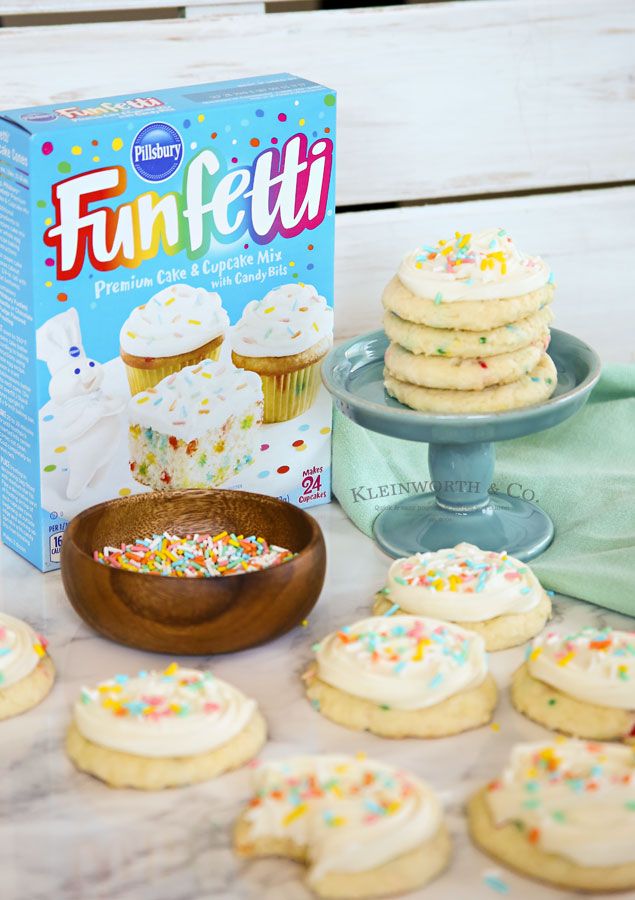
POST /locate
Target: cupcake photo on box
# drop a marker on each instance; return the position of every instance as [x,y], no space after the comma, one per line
[196,428]
[179,326]
[284,338]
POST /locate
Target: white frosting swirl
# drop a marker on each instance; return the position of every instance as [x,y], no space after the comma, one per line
[405,662]
[196,399]
[572,798]
[594,665]
[484,266]
[177,319]
[20,650]
[350,813]
[178,712]
[288,320]
[462,584]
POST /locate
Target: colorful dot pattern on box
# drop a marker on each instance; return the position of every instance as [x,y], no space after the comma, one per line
[194,556]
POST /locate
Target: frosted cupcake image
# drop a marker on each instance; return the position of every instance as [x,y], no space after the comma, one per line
[283,338]
[196,428]
[179,326]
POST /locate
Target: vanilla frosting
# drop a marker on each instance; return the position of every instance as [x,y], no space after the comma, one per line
[196,399]
[571,798]
[462,584]
[404,662]
[177,319]
[177,712]
[20,650]
[288,320]
[594,665]
[352,814]
[484,266]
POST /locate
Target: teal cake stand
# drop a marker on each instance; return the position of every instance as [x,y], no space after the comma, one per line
[461,454]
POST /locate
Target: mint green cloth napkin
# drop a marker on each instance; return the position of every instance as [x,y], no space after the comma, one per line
[582,473]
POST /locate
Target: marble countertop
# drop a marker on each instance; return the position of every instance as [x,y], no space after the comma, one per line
[65,836]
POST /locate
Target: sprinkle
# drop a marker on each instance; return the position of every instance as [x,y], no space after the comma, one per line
[195,556]
[492,878]
[393,609]
[438,298]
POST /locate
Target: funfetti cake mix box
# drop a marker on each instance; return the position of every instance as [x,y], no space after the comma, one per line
[166,299]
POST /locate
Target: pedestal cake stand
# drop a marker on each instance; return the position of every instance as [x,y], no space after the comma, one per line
[460,451]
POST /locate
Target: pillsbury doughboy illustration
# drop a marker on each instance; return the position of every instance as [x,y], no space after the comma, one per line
[89,417]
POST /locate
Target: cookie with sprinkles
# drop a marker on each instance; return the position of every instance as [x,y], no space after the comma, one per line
[164,729]
[472,281]
[493,594]
[402,676]
[582,684]
[27,672]
[283,338]
[362,828]
[562,812]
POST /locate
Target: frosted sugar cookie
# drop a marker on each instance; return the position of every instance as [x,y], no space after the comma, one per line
[402,676]
[562,812]
[163,729]
[179,326]
[490,593]
[527,390]
[461,374]
[362,828]
[26,670]
[582,684]
[471,282]
[196,428]
[283,338]
[468,344]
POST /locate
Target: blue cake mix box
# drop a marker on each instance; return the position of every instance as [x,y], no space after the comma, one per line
[166,299]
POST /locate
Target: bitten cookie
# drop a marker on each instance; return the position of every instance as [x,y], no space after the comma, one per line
[582,684]
[402,676]
[163,729]
[363,828]
[26,670]
[493,594]
[527,390]
[562,813]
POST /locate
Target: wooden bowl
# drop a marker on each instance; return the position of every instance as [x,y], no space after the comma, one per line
[193,615]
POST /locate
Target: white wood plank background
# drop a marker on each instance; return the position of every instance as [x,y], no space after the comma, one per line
[436,100]
[587,236]
[46,7]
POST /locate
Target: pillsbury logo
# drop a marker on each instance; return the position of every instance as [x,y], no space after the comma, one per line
[156,152]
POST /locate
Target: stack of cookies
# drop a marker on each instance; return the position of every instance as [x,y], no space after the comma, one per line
[468,320]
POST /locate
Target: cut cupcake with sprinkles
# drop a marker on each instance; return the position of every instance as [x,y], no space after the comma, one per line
[196,428]
[163,729]
[402,676]
[582,684]
[493,594]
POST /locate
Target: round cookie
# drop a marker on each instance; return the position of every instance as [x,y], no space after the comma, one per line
[363,828]
[468,344]
[581,684]
[468,315]
[493,594]
[562,813]
[402,676]
[163,729]
[461,374]
[27,672]
[528,390]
